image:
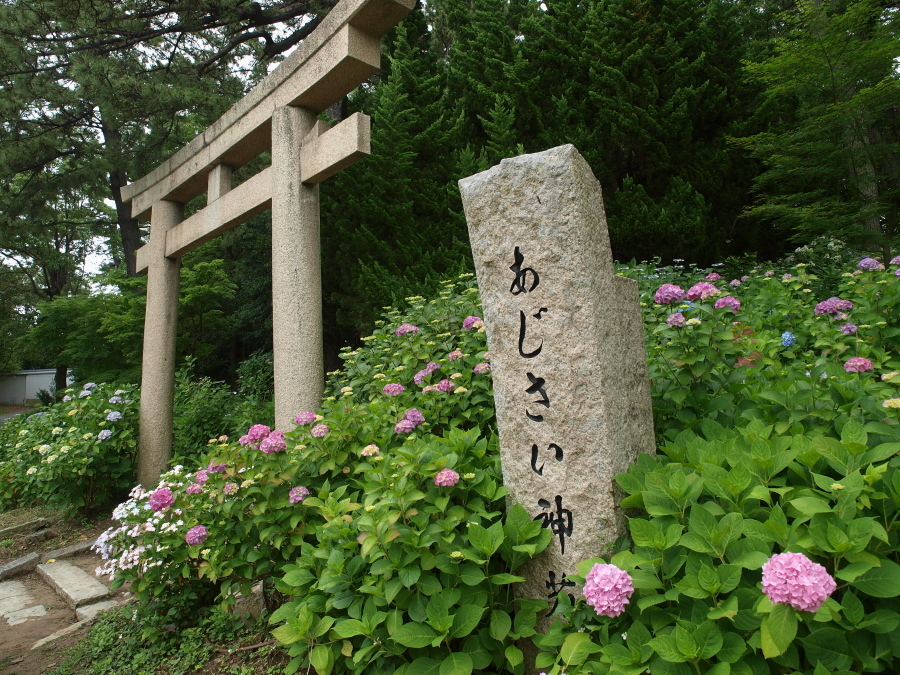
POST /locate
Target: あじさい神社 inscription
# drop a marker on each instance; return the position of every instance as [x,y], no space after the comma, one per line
[567,349]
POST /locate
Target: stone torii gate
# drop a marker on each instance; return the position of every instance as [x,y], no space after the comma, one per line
[278,114]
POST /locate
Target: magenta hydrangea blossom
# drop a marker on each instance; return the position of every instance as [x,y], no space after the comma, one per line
[667,294]
[444,386]
[676,320]
[429,368]
[842,305]
[728,301]
[702,291]
[273,443]
[319,430]
[826,307]
[470,321]
[217,468]
[795,580]
[297,494]
[848,328]
[455,354]
[482,368]
[407,328]
[161,499]
[305,417]
[202,476]
[446,478]
[869,264]
[230,488]
[404,427]
[858,365]
[415,416]
[196,535]
[393,389]
[194,489]
[608,589]
[258,432]
[713,276]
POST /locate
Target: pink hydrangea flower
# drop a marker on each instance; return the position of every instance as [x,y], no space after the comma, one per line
[482,368]
[713,276]
[858,365]
[393,389]
[404,427]
[202,476]
[455,354]
[244,440]
[161,499]
[897,272]
[608,589]
[702,291]
[826,307]
[319,430]
[869,264]
[895,260]
[795,580]
[305,417]
[230,488]
[196,535]
[273,443]
[446,478]
[787,277]
[848,328]
[470,321]
[728,301]
[429,368]
[194,488]
[744,278]
[407,328]
[258,432]
[675,320]
[444,385]
[769,273]
[370,450]
[842,305]
[734,283]
[297,494]
[667,294]
[217,468]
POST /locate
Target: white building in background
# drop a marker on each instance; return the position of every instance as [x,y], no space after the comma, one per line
[19,388]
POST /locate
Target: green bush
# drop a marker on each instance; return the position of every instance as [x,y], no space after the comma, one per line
[78,453]
[256,376]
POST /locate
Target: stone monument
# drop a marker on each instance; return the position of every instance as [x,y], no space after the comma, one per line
[279,114]
[566,341]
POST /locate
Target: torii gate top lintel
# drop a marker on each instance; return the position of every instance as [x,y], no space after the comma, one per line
[335,58]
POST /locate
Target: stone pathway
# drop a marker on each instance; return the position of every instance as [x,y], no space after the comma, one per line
[44,597]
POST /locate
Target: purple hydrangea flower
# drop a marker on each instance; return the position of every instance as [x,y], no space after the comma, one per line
[728,301]
[702,291]
[675,320]
[744,278]
[869,264]
[608,589]
[444,386]
[895,260]
[470,321]
[848,328]
[734,283]
[858,365]
[84,394]
[297,494]
[842,305]
[104,435]
[826,307]
[787,277]
[769,273]
[258,432]
[455,354]
[713,276]
[161,499]
[407,328]
[319,430]
[305,418]
[667,294]
[446,478]
[68,398]
[795,580]
[114,416]
[404,427]
[429,368]
[393,389]
[415,416]
[115,399]
[217,468]
[202,476]
[482,368]
[194,488]
[196,535]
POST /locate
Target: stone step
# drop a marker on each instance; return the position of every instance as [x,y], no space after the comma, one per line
[30,526]
[73,584]
[24,564]
[90,612]
[69,551]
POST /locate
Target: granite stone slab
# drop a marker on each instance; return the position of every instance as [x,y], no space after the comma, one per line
[69,551]
[74,585]
[24,564]
[30,526]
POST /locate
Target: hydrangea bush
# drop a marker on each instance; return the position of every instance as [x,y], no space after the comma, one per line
[77,453]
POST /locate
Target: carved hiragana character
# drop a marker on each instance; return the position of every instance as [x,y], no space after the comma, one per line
[522,353]
[555,589]
[539,470]
[537,387]
[521,278]
[559,522]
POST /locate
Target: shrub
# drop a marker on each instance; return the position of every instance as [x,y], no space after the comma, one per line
[78,453]
[256,376]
